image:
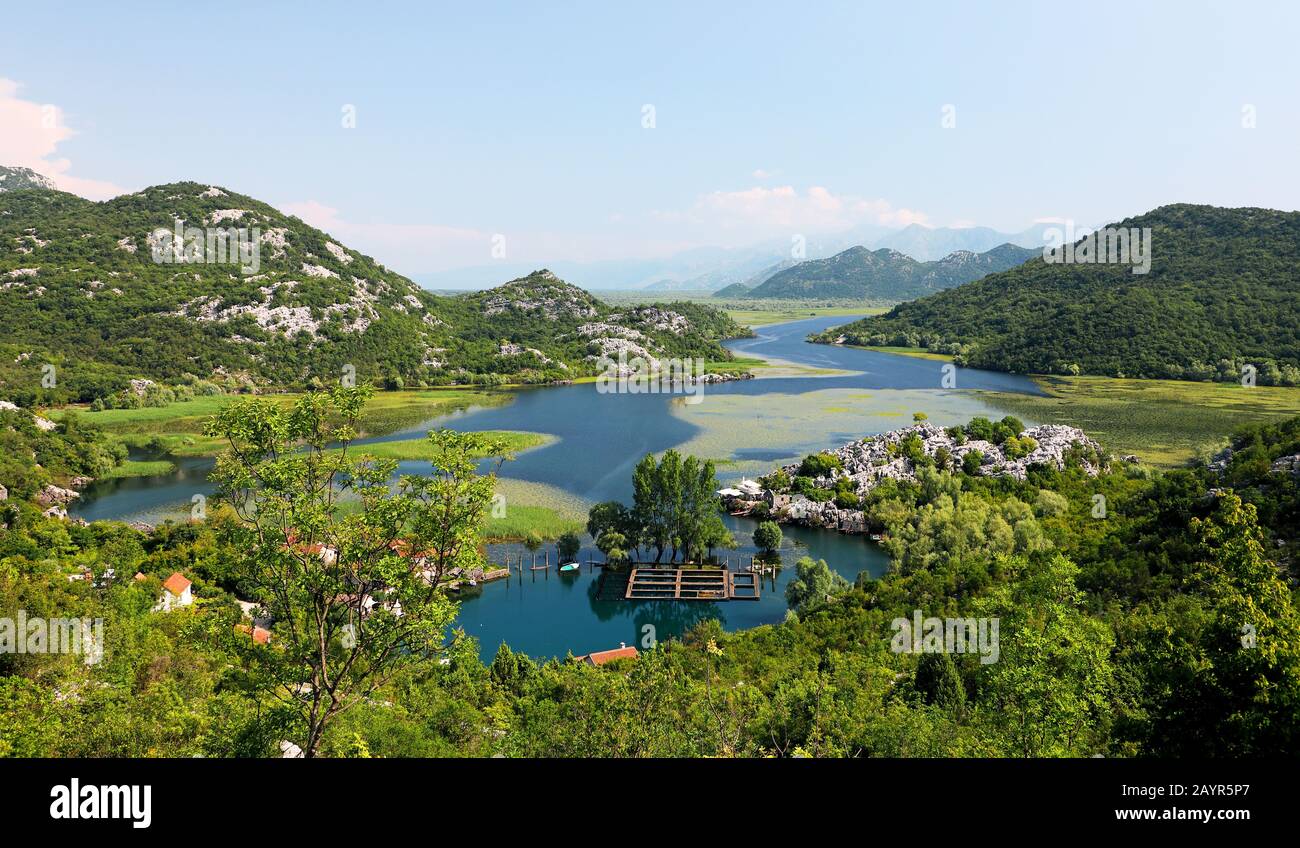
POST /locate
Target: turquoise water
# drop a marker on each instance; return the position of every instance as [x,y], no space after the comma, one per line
[749,426]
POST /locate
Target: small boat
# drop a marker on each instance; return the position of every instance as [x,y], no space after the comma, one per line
[570,566]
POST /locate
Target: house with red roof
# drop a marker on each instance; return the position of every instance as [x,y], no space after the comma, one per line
[259,635]
[176,593]
[599,658]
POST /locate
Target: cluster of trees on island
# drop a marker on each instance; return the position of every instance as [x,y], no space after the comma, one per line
[1168,627]
[675,510]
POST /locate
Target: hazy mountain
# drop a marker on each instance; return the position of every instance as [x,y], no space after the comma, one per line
[886,275]
[712,268]
[926,244]
[733,290]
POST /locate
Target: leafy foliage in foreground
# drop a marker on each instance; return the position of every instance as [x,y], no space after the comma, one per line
[1166,628]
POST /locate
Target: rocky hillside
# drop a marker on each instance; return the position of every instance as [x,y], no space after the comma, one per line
[1223,290]
[541,326]
[14,179]
[886,275]
[104,294]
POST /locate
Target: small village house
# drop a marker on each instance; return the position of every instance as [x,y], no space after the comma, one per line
[599,658]
[176,593]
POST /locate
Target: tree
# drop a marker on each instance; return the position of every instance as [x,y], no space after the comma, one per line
[612,515]
[819,465]
[511,670]
[939,682]
[716,535]
[354,593]
[1226,681]
[1050,688]
[567,546]
[767,536]
[674,500]
[815,583]
[613,545]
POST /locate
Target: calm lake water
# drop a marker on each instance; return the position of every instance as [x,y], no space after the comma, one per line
[751,425]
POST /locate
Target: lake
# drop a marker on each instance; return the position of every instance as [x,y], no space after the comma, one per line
[815,397]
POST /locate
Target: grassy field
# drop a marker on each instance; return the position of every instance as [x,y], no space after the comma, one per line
[917,352]
[421,449]
[756,313]
[140,468]
[535,508]
[739,365]
[1164,422]
[177,428]
[753,312]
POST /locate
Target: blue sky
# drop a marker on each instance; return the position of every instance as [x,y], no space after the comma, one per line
[770,119]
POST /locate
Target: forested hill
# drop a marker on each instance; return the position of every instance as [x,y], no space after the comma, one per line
[886,274]
[80,289]
[1223,290]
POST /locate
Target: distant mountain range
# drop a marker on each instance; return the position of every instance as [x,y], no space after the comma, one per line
[927,244]
[712,269]
[734,290]
[89,288]
[1222,291]
[885,274]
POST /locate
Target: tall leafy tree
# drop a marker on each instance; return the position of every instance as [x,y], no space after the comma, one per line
[347,568]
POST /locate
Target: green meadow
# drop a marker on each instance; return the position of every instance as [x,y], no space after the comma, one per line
[1165,423]
[916,352]
[406,450]
[177,428]
[140,468]
[758,313]
[535,508]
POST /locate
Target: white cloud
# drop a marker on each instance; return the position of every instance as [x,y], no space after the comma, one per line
[419,247]
[31,136]
[415,248]
[762,212]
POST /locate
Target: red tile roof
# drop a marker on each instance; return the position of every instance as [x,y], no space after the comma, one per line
[259,635]
[602,657]
[176,584]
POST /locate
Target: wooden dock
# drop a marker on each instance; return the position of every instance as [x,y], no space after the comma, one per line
[657,583]
[744,585]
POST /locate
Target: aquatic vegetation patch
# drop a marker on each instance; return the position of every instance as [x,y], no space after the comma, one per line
[753,431]
[1164,422]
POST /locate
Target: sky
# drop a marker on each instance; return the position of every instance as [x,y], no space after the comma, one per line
[430,134]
